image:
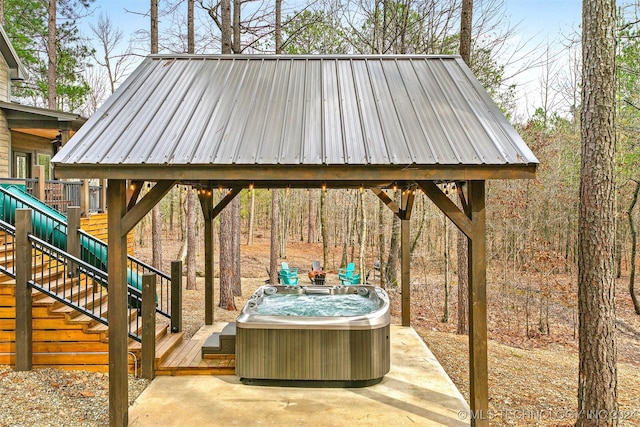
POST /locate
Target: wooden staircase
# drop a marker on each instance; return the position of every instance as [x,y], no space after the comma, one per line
[62,336]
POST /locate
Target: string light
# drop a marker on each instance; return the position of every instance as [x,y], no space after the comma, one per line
[361,188]
[251,187]
[395,187]
[324,187]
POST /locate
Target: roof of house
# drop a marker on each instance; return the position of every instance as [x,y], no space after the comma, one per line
[16,70]
[39,121]
[320,117]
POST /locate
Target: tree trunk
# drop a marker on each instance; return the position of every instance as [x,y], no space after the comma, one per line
[278,29]
[275,193]
[284,222]
[156,219]
[462,328]
[156,237]
[273,252]
[466,21]
[362,235]
[236,27]
[311,228]
[252,211]
[192,240]
[226,260]
[225,31]
[191,44]
[634,247]
[381,243]
[391,269]
[154,26]
[597,380]
[416,238]
[235,239]
[324,230]
[52,56]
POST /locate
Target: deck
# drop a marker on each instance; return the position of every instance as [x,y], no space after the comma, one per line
[186,358]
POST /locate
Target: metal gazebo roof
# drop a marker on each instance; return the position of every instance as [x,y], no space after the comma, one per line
[307,118]
[274,121]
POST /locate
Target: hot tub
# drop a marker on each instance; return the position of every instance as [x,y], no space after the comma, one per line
[306,345]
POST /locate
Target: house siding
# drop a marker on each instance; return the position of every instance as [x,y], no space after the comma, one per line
[5,137]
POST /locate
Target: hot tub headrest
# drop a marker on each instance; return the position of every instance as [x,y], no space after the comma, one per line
[270,290]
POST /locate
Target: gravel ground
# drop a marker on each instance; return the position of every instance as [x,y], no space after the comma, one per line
[53,397]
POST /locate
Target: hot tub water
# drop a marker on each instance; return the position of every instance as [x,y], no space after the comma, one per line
[317,305]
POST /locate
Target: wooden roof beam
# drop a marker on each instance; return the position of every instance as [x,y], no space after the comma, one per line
[459,218]
[140,209]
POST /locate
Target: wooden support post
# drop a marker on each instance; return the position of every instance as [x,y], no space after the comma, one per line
[208,272]
[478,367]
[408,196]
[405,268]
[73,236]
[118,310]
[176,296]
[206,202]
[65,134]
[23,291]
[40,185]
[84,198]
[148,326]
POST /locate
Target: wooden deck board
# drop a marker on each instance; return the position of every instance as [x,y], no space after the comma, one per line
[177,354]
[186,359]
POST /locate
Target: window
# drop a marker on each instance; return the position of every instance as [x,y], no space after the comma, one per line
[45,160]
[21,165]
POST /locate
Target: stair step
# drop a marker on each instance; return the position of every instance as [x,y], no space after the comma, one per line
[223,342]
[166,345]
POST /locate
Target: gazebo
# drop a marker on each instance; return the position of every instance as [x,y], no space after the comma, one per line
[240,121]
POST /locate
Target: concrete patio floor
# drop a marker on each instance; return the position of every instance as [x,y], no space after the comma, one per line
[415,392]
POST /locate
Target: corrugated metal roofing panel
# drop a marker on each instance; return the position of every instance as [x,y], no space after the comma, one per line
[297,110]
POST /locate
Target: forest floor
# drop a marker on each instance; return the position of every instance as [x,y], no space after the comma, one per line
[533,364]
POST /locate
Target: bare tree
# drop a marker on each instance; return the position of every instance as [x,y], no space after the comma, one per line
[597,379]
[156,219]
[275,202]
[109,38]
[634,247]
[192,237]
